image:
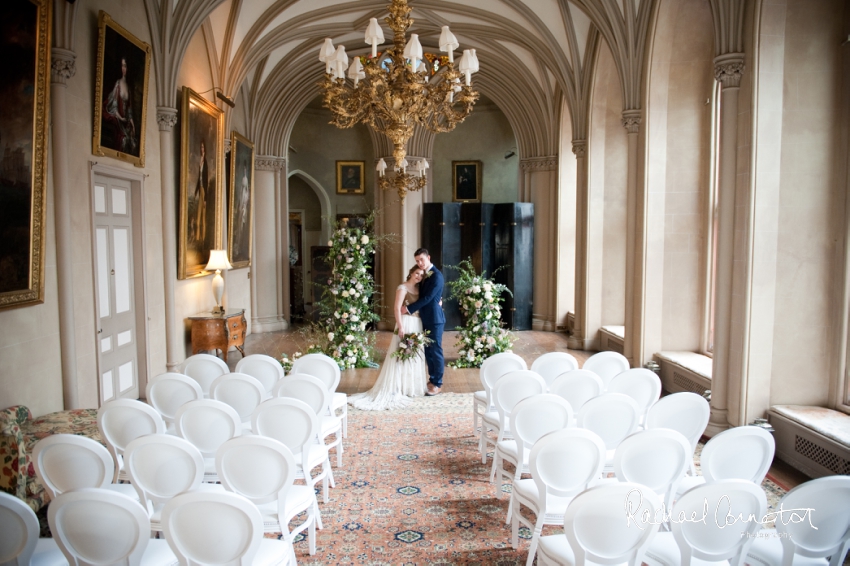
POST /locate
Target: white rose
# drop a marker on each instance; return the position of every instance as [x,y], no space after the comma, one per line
[336,314]
[349,259]
[402,345]
[344,293]
[335,292]
[477,303]
[470,356]
[359,286]
[362,326]
[330,335]
[352,239]
[364,239]
[476,289]
[487,287]
[365,299]
[352,309]
[349,338]
[330,243]
[354,318]
[488,295]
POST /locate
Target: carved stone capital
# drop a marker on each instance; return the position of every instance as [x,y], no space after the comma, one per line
[728,69]
[62,66]
[549,163]
[631,121]
[580,148]
[166,118]
[226,146]
[269,163]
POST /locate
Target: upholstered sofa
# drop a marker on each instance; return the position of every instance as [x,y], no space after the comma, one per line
[19,432]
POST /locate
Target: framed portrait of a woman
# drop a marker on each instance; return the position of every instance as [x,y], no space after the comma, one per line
[201,183]
[241,215]
[121,93]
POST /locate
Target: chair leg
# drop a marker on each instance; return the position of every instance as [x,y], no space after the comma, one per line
[330,473]
[497,461]
[532,550]
[510,509]
[311,533]
[514,525]
[317,513]
[345,421]
[474,417]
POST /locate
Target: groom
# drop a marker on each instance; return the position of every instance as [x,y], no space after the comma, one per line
[433,319]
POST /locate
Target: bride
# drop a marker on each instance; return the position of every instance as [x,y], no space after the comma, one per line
[399,380]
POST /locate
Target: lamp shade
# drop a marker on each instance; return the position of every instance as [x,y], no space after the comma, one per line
[355,71]
[413,50]
[374,33]
[327,51]
[448,41]
[218,261]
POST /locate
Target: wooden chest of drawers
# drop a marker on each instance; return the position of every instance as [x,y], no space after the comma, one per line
[219,331]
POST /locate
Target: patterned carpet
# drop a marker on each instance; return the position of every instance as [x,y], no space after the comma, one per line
[413,491]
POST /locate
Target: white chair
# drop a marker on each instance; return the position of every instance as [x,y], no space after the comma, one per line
[577,387]
[711,541]
[606,365]
[563,464]
[65,462]
[596,531]
[655,458]
[822,531]
[509,390]
[168,391]
[240,391]
[19,544]
[613,416]
[263,471]
[122,421]
[97,526]
[491,370]
[641,384]
[161,466]
[312,391]
[204,368]
[220,528]
[208,424]
[264,369]
[742,453]
[553,364]
[686,412]
[530,419]
[295,424]
[325,368]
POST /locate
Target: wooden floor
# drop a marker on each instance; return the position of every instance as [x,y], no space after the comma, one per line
[529,345]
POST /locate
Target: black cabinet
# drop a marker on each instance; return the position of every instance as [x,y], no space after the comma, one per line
[513,230]
[476,243]
[441,236]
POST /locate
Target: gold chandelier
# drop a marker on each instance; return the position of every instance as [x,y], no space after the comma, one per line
[393,96]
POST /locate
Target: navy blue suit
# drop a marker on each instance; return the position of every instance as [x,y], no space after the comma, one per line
[433,320]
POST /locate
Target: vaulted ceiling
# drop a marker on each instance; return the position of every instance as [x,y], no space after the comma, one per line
[534,54]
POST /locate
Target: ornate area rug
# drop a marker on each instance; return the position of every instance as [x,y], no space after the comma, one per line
[413,491]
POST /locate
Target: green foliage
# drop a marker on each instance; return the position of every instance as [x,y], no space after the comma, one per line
[482,334]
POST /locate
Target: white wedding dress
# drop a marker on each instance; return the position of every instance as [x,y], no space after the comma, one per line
[398,380]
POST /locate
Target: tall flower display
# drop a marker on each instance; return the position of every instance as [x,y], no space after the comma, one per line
[482,334]
[345,308]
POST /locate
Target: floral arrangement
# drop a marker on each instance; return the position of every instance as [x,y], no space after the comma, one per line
[482,334]
[287,362]
[411,346]
[345,309]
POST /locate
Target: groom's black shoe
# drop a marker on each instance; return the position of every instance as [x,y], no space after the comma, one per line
[432,391]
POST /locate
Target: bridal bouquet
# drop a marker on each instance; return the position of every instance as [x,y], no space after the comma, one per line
[410,346]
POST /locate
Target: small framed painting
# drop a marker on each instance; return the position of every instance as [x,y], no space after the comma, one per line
[121,93]
[350,177]
[201,183]
[466,181]
[241,201]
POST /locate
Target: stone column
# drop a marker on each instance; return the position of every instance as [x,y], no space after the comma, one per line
[633,343]
[174,350]
[63,68]
[540,186]
[268,315]
[580,338]
[728,70]
[282,195]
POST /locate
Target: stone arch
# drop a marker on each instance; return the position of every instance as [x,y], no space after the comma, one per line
[324,200]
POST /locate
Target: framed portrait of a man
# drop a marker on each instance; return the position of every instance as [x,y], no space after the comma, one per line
[201,183]
[121,93]
[350,177]
[24,104]
[466,181]
[241,201]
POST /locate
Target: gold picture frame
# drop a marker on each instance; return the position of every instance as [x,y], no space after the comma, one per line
[240,223]
[466,181]
[24,105]
[201,183]
[350,177]
[121,93]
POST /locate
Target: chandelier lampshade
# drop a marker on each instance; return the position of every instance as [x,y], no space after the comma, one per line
[394,94]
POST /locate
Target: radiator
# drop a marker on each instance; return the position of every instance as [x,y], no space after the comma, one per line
[807,450]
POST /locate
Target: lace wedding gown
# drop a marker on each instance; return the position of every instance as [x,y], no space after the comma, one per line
[398,380]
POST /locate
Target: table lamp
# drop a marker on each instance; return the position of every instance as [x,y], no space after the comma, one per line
[218,261]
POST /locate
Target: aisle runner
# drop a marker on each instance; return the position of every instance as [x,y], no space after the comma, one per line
[412,490]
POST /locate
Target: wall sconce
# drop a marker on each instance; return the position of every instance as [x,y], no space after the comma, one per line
[218,262]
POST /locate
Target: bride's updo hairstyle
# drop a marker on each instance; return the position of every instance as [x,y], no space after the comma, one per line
[410,272]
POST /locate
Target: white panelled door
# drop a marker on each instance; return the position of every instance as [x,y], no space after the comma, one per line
[116,305]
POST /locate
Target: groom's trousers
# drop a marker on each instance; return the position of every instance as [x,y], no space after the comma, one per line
[434,356]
